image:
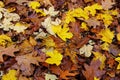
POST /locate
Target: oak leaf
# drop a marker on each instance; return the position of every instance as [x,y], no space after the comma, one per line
[25,62]
[107,4]
[9,51]
[92,70]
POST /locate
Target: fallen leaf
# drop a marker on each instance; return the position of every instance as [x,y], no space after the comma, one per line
[92,70]
[55,57]
[107,35]
[101,57]
[9,51]
[92,22]
[11,75]
[24,62]
[86,50]
[50,77]
[114,50]
[107,4]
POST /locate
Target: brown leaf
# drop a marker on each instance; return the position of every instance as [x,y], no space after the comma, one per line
[92,70]
[9,51]
[25,61]
[66,73]
[92,22]
[114,49]
[86,1]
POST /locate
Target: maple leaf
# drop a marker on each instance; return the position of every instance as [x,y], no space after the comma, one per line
[118,60]
[4,40]
[84,26]
[101,57]
[9,51]
[107,4]
[107,35]
[105,46]
[92,9]
[92,70]
[86,50]
[50,77]
[55,57]
[63,33]
[11,75]
[25,61]
[51,11]
[118,36]
[34,4]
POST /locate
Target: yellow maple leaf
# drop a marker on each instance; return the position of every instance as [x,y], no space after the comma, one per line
[101,57]
[4,40]
[107,35]
[55,57]
[95,78]
[118,60]
[118,36]
[78,13]
[11,75]
[84,26]
[63,33]
[107,18]
[105,46]
[34,4]
[92,9]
